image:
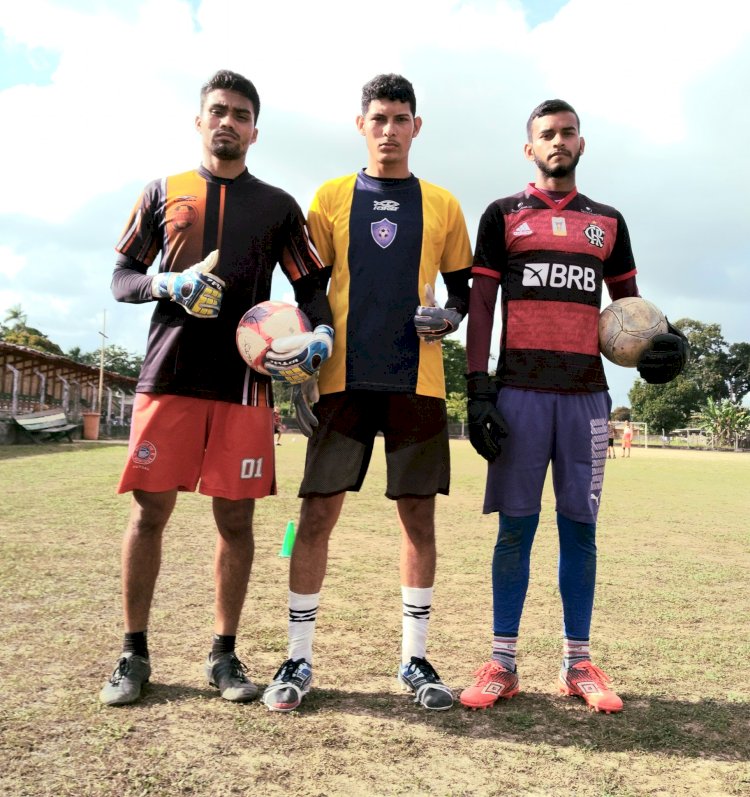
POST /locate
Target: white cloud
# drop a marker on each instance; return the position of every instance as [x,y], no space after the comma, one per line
[11,262]
[660,90]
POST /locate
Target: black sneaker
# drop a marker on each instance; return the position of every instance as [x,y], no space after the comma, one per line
[124,685]
[290,684]
[419,677]
[227,673]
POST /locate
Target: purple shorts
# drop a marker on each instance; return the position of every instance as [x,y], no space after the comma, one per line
[567,430]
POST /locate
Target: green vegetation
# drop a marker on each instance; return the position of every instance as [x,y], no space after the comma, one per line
[717,372]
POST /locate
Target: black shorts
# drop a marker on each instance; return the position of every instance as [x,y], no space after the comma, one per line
[415,429]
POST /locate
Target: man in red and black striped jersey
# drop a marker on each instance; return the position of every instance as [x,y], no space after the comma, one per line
[550,250]
[202,418]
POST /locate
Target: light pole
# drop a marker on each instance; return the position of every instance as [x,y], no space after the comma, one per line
[101,361]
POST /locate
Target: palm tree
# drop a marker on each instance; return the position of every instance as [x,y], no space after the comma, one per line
[15,316]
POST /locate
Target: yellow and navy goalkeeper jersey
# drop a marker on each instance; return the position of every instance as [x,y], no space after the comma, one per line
[386,239]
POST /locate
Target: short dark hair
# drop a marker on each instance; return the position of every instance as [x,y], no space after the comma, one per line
[232,81]
[548,107]
[389,87]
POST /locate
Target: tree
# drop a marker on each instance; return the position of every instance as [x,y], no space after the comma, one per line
[715,371]
[15,316]
[455,405]
[21,335]
[121,361]
[708,366]
[116,359]
[282,397]
[454,365]
[621,414]
[738,364]
[664,407]
[724,419]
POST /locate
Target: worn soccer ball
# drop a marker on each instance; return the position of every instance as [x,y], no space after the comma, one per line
[263,324]
[626,328]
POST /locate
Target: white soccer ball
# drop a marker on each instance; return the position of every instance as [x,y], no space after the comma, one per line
[264,323]
[626,328]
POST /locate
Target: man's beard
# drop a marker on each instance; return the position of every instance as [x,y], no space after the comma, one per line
[558,171]
[226,150]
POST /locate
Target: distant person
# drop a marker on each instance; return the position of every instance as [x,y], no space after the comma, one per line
[387,235]
[201,418]
[611,440]
[549,249]
[627,439]
[278,427]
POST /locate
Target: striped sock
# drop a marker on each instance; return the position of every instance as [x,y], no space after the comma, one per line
[575,651]
[504,651]
[417,603]
[303,611]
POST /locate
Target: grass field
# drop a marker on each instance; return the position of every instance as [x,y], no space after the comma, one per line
[671,625]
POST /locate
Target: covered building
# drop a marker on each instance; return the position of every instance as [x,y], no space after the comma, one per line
[33,380]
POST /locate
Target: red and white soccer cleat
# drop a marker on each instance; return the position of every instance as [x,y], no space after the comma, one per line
[493,682]
[586,680]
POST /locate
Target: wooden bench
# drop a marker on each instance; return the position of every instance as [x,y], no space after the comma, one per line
[46,425]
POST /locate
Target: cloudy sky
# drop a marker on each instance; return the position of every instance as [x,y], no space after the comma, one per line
[98,98]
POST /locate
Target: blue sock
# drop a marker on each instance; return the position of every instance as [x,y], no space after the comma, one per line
[577,575]
[510,572]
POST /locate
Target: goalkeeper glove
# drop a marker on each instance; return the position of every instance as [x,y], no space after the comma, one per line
[487,427]
[666,358]
[197,290]
[434,322]
[304,395]
[296,358]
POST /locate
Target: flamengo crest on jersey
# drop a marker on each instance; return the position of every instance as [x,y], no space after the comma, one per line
[595,234]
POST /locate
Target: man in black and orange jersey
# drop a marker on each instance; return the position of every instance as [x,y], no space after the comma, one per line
[201,418]
[550,249]
[387,235]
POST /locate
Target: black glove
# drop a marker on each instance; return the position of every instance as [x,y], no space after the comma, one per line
[487,427]
[666,358]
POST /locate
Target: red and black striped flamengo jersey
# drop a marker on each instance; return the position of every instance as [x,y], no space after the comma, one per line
[550,259]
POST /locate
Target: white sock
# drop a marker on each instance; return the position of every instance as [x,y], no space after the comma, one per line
[417,603]
[303,609]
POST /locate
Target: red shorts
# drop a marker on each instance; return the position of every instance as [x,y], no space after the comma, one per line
[177,442]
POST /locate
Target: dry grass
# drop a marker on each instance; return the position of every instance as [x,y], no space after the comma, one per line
[671,625]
